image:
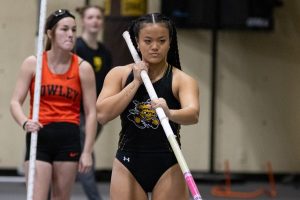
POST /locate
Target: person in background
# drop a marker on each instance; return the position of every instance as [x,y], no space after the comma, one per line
[67,82]
[90,49]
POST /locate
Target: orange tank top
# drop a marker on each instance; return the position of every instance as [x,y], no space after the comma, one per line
[60,94]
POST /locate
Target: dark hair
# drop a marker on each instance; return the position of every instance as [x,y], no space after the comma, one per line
[51,23]
[135,27]
[82,10]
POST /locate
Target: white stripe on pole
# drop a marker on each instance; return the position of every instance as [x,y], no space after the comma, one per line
[36,100]
[165,123]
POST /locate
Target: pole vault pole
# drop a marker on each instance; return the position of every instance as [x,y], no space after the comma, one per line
[165,123]
[36,100]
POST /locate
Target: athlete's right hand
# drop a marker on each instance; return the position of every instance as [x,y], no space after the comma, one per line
[32,126]
[85,162]
[137,68]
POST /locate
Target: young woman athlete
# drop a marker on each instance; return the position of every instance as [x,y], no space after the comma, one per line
[66,81]
[144,160]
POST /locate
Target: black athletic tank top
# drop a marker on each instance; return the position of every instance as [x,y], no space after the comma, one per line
[141,128]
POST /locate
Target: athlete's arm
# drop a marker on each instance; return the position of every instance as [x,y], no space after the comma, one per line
[26,74]
[188,94]
[88,86]
[114,97]
[187,91]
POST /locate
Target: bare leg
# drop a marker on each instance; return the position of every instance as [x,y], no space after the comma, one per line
[64,174]
[171,185]
[43,172]
[123,184]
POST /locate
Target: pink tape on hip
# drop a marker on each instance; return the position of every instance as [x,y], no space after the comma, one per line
[192,186]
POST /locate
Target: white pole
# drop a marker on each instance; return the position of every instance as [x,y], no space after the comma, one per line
[36,100]
[165,123]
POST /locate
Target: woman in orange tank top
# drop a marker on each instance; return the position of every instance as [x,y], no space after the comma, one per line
[67,81]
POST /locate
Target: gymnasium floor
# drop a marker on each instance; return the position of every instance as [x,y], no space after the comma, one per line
[291,191]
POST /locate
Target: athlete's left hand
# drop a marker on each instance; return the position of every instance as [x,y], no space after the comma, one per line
[85,162]
[161,102]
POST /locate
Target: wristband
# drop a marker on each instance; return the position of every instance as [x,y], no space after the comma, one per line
[24,124]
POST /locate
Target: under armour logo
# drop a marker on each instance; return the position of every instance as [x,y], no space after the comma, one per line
[126,159]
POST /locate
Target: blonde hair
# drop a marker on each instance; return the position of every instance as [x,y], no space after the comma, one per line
[82,10]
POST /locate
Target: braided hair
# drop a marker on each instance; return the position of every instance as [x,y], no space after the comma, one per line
[136,25]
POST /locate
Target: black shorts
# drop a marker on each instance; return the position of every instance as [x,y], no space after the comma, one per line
[57,141]
[147,167]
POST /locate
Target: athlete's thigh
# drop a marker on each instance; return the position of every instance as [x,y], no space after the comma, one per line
[123,184]
[43,171]
[171,185]
[63,178]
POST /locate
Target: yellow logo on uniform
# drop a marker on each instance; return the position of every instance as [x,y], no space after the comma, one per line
[97,63]
[143,116]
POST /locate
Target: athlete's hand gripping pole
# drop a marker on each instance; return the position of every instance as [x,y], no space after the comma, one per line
[36,100]
[165,123]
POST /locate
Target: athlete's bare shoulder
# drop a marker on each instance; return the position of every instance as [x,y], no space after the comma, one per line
[122,69]
[182,81]
[120,72]
[181,76]
[30,60]
[29,65]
